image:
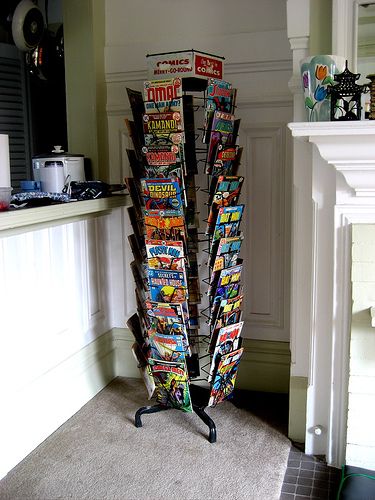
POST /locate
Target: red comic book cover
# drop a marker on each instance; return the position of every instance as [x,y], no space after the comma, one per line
[165,255]
[162,96]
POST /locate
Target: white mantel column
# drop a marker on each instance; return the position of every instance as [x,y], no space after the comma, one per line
[298,18]
[342,193]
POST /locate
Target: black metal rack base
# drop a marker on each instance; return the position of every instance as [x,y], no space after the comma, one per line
[199,410]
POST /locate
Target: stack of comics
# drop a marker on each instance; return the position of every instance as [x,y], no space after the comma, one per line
[165,223]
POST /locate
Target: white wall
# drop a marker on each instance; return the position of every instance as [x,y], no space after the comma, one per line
[252,38]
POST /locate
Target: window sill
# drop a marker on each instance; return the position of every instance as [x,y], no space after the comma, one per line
[30,219]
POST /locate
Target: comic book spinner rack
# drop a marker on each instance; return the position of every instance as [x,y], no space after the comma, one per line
[200,339]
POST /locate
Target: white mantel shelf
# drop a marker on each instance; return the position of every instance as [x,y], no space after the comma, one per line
[30,219]
[348,146]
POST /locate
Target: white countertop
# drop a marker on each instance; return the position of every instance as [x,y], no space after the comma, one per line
[29,219]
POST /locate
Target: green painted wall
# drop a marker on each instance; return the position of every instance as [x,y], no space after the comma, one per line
[320,27]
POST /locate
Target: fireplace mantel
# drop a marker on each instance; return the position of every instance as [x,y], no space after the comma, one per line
[348,146]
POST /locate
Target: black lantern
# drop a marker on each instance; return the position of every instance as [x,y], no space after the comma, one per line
[346,96]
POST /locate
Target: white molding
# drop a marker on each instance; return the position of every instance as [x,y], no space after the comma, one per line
[348,146]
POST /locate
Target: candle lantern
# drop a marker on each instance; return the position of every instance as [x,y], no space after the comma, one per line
[346,96]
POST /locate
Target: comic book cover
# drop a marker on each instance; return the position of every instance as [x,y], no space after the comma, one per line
[164,225]
[219,97]
[226,254]
[168,319]
[225,292]
[161,194]
[224,160]
[167,286]
[225,377]
[227,341]
[165,255]
[227,223]
[225,277]
[161,96]
[221,134]
[167,348]
[138,108]
[222,315]
[189,130]
[144,370]
[166,125]
[172,388]
[226,194]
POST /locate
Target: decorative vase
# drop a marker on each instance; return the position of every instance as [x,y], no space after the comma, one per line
[317,74]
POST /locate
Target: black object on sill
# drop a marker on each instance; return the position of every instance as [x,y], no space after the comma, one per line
[91,190]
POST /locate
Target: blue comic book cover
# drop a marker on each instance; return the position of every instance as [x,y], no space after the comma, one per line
[224,278]
[226,253]
[161,194]
[167,286]
[220,96]
[227,223]
[167,348]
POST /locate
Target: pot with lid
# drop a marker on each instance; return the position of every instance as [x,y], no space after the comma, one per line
[54,168]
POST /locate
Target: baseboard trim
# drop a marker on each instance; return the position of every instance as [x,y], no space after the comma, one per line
[44,404]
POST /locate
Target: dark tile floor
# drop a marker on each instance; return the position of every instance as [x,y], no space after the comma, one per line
[309,477]
[306,476]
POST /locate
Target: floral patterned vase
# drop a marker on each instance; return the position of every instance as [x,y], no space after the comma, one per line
[317,74]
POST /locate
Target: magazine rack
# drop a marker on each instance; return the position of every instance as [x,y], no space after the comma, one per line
[221,383]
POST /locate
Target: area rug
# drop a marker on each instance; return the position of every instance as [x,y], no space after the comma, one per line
[99,454]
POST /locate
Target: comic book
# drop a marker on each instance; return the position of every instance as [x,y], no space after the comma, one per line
[225,277]
[221,135]
[144,370]
[219,97]
[138,108]
[167,286]
[162,96]
[222,315]
[226,157]
[225,377]
[165,255]
[226,194]
[167,348]
[227,224]
[164,225]
[166,125]
[226,253]
[172,388]
[227,341]
[161,194]
[225,292]
[189,130]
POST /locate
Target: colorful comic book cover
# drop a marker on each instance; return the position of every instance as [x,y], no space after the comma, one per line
[226,342]
[167,348]
[225,159]
[225,292]
[225,377]
[172,387]
[219,97]
[227,223]
[223,313]
[161,194]
[167,286]
[162,96]
[221,135]
[168,319]
[226,253]
[225,277]
[166,125]
[226,194]
[144,370]
[165,255]
[164,225]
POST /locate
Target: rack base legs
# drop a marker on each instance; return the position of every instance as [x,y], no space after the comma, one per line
[208,421]
[197,409]
[147,409]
